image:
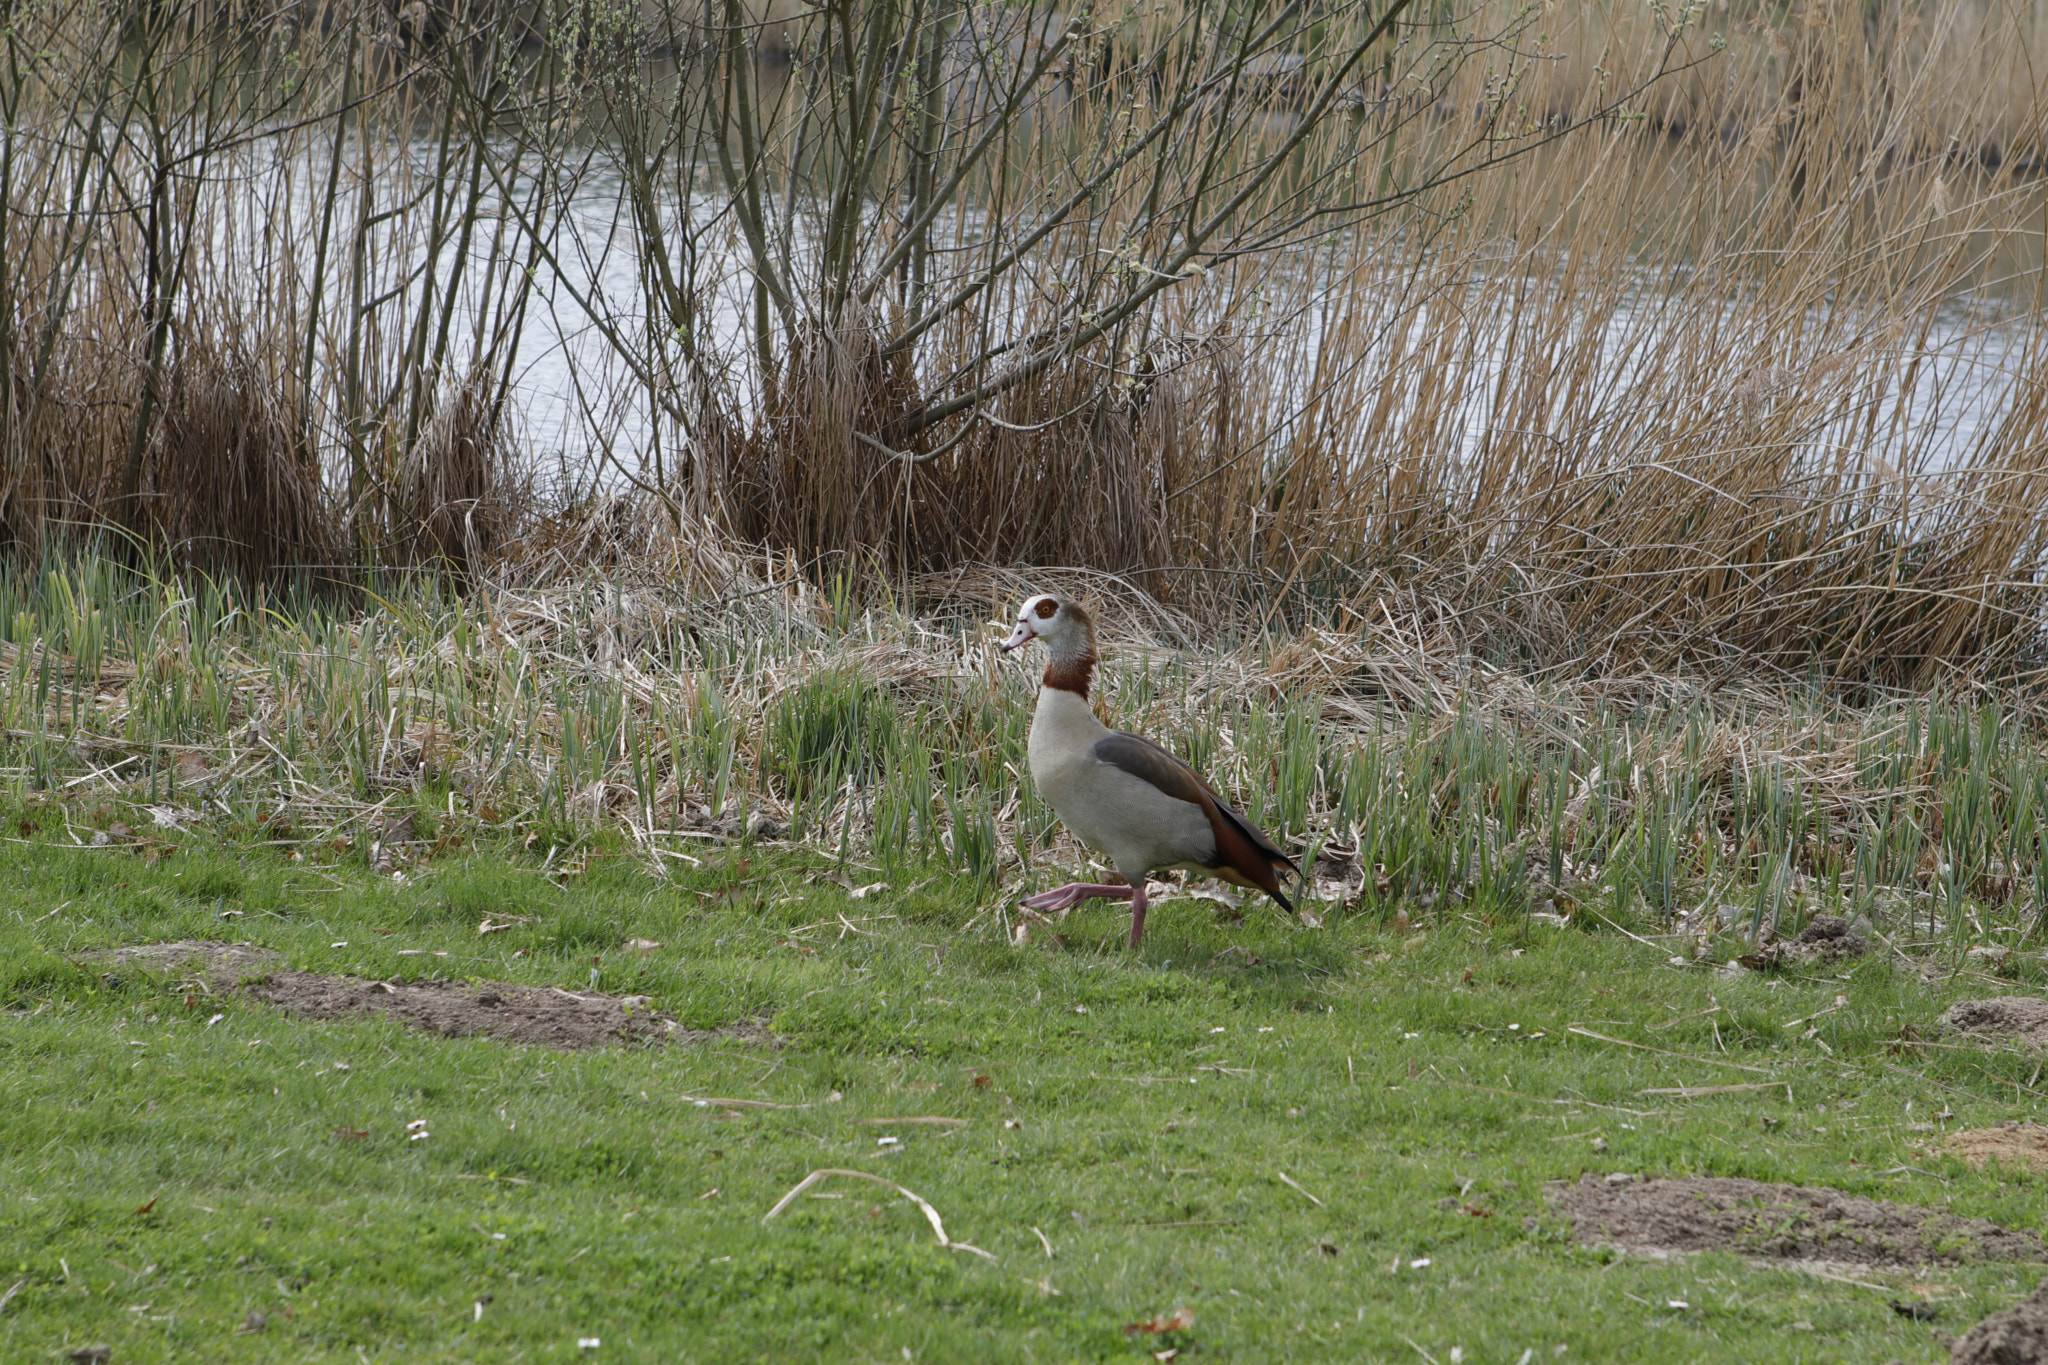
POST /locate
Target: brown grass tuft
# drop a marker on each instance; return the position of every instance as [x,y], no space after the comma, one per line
[461,495]
[228,485]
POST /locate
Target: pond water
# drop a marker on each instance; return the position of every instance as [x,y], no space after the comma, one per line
[1937,392]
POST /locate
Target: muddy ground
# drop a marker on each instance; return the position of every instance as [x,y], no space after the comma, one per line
[1787,1222]
[2021,1017]
[541,1016]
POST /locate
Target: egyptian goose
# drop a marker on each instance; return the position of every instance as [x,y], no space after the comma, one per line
[1125,796]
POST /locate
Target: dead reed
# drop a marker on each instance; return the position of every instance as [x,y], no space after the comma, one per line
[1623,338]
[1413,781]
[1595,339]
[239,324]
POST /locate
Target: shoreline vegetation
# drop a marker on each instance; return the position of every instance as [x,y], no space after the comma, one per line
[1615,337]
[1579,487]
[1577,474]
[1419,782]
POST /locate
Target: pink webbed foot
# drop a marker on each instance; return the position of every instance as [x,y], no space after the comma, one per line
[1073,893]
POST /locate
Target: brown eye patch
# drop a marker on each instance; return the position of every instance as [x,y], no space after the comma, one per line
[1048,609]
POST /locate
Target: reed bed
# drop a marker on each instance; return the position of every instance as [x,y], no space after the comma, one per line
[1618,337]
[254,315]
[1415,783]
[1523,479]
[1601,338]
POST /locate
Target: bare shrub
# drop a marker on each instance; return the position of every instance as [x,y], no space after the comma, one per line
[229,290]
[1597,337]
[1618,337]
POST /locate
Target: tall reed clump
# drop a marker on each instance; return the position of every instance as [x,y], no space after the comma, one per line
[226,480]
[252,317]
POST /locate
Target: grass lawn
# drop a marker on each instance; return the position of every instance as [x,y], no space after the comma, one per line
[1326,1144]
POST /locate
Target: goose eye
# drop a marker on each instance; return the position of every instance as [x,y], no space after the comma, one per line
[1048,609]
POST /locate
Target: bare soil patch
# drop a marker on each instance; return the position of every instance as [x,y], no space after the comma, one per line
[2024,1017]
[541,1016]
[2023,1145]
[2018,1336]
[1825,939]
[1790,1222]
[1830,938]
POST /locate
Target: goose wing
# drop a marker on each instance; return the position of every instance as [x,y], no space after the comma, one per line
[1240,846]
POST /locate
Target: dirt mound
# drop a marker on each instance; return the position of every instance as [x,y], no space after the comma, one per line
[2024,1017]
[2018,1336]
[543,1016]
[1780,1221]
[2014,1144]
[538,1015]
[1826,938]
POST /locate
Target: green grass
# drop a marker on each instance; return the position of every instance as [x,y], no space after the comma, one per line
[162,1176]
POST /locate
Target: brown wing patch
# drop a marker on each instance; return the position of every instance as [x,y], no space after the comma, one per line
[1266,847]
[1240,847]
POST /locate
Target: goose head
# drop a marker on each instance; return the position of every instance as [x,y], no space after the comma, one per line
[1063,626]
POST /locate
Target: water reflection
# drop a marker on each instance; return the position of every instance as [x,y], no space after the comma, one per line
[1931,397]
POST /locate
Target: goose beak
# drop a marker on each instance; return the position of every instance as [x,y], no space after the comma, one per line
[1021,636]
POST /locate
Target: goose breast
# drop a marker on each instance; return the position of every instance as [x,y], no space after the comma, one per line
[1107,793]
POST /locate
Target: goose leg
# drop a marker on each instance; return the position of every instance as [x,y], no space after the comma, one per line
[1137,911]
[1066,897]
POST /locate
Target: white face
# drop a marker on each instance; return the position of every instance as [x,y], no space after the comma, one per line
[1038,617]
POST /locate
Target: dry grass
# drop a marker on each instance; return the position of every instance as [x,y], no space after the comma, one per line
[1955,81]
[1411,780]
[1734,367]
[228,483]
[461,500]
[1598,340]
[214,329]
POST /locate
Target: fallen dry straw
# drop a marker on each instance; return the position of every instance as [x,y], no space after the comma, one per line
[931,1215]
